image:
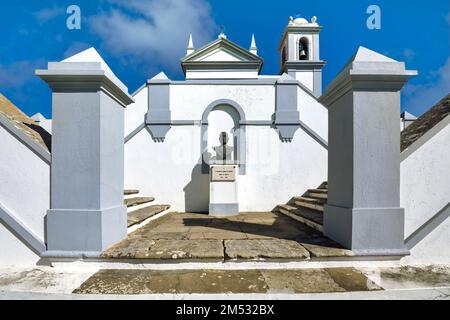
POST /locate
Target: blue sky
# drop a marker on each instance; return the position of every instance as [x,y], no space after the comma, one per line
[139,38]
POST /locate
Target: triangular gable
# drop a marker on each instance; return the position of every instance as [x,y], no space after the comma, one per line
[221,59]
[222,50]
[89,55]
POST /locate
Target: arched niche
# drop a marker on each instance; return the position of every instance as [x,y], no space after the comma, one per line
[303,45]
[223,115]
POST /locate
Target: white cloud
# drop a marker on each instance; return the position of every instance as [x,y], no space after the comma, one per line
[17,74]
[48,14]
[153,33]
[419,98]
[409,54]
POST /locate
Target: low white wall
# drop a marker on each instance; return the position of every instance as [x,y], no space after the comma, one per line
[25,192]
[171,171]
[434,248]
[425,191]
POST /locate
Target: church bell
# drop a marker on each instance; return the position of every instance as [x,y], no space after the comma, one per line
[302,55]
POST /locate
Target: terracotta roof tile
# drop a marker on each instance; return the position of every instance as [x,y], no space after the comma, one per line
[427,121]
[24,123]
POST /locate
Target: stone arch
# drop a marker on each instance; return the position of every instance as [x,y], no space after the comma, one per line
[239,137]
[219,102]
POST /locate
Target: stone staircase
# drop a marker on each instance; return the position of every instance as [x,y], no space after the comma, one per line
[308,208]
[140,209]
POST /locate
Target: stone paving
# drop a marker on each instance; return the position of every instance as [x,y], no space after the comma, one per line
[248,236]
[226,281]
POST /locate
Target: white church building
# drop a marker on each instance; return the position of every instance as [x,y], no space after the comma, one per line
[278,129]
[334,160]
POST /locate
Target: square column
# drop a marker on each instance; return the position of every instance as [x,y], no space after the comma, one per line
[87,211]
[363,211]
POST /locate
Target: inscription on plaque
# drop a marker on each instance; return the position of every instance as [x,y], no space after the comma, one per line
[223,173]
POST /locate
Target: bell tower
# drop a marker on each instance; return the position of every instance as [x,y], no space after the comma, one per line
[300,53]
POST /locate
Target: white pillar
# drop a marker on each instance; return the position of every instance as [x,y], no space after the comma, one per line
[87,212]
[363,211]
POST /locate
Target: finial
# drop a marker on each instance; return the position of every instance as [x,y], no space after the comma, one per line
[253,48]
[314,19]
[190,47]
[222,33]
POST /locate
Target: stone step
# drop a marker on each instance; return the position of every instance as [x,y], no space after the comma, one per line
[310,218]
[311,203]
[131,202]
[143,214]
[128,192]
[318,193]
[324,185]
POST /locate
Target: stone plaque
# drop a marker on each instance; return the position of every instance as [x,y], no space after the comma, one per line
[223,173]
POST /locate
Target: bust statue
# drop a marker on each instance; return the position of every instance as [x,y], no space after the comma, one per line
[223,152]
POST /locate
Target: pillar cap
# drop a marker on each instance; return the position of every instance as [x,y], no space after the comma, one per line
[368,70]
[85,71]
[160,78]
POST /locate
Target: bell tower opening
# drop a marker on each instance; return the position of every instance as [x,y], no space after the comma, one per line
[303,49]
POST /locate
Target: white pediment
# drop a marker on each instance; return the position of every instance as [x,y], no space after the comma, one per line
[222,50]
[221,54]
[221,59]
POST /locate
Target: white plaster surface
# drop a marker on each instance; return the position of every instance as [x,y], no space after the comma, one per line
[276,171]
[171,171]
[425,181]
[425,190]
[24,191]
[188,102]
[434,248]
[43,122]
[243,74]
[306,78]
[135,113]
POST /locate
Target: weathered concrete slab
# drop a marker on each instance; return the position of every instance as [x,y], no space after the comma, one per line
[131,202]
[300,281]
[230,235]
[408,277]
[143,214]
[167,235]
[128,192]
[129,249]
[132,281]
[322,251]
[186,249]
[351,279]
[265,249]
[173,281]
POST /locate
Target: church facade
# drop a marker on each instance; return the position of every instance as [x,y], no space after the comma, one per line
[227,140]
[277,128]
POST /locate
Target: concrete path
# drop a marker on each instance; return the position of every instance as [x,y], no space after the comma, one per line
[420,282]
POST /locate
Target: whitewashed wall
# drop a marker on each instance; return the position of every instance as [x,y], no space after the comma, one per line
[276,171]
[25,192]
[135,113]
[425,190]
